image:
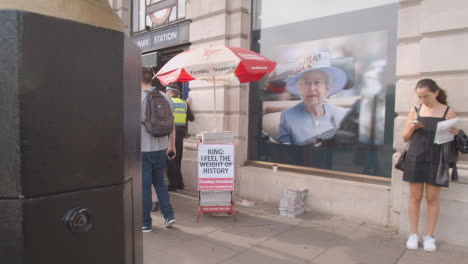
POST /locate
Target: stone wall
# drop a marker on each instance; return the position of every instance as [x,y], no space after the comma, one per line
[122,8]
[433,36]
[216,22]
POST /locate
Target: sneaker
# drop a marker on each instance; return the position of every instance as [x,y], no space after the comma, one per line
[155,207]
[412,242]
[169,222]
[147,229]
[429,244]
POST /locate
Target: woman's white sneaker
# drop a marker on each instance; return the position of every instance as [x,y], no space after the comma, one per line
[412,242]
[429,244]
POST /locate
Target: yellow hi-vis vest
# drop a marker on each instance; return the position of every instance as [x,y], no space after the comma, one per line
[180,111]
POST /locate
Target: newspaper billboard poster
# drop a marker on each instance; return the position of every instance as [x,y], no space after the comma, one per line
[216,167]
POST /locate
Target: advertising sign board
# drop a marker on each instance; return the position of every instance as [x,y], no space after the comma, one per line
[215,167]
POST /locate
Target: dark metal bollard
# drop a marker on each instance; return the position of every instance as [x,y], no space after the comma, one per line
[70,186]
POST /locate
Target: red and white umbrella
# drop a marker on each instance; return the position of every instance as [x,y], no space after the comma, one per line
[215,64]
[218,62]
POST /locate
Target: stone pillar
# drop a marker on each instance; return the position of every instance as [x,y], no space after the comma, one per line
[122,9]
[70,188]
[432,44]
[226,23]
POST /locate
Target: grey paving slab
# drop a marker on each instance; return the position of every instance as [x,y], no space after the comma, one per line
[262,254]
[214,221]
[446,254]
[161,238]
[259,208]
[189,226]
[297,244]
[243,235]
[183,207]
[260,235]
[366,244]
[336,223]
[276,222]
[305,241]
[196,251]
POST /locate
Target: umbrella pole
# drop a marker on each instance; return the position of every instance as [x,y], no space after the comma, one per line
[214,97]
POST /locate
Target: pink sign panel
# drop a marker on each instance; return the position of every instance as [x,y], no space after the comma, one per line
[217,208]
[216,184]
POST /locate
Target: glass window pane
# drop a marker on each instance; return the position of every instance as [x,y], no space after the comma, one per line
[148,21]
[142,15]
[181,6]
[173,15]
[135,5]
[329,103]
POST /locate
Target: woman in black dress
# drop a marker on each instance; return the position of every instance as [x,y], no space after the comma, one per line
[422,158]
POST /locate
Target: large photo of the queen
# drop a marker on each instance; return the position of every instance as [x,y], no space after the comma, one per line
[327,91]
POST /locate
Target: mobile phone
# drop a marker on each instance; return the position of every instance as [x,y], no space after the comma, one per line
[171,154]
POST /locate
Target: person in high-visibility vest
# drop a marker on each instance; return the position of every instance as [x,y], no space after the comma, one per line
[182,113]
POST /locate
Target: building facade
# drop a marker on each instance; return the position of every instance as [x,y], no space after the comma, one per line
[384,48]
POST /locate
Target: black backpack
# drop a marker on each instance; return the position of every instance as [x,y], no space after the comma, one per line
[159,120]
[461,141]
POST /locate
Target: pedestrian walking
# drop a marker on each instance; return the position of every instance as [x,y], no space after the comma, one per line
[154,148]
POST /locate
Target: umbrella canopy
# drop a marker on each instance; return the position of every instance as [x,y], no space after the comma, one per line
[215,63]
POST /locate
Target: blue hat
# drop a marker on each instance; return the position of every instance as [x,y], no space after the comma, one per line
[319,62]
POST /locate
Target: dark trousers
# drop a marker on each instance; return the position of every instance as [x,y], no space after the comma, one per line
[152,164]
[174,174]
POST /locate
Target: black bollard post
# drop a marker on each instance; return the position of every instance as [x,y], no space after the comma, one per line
[70,175]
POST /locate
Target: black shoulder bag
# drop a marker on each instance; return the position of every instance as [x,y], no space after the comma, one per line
[400,165]
[461,141]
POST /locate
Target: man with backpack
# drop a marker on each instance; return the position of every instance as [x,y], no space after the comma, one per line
[157,141]
[182,114]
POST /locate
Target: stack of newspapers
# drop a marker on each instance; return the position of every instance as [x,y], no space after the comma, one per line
[292,202]
[215,198]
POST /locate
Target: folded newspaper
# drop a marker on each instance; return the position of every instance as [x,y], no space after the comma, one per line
[443,134]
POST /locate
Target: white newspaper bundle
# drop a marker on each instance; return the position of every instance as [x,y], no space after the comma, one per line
[292,202]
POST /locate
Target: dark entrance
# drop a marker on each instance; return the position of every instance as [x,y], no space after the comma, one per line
[156,60]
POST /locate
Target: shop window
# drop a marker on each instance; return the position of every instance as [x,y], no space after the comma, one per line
[329,104]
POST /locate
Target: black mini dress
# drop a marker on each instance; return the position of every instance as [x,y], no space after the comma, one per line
[423,155]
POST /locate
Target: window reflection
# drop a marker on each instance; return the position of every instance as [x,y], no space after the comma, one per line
[342,120]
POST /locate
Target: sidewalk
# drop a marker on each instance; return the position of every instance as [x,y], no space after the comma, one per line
[261,236]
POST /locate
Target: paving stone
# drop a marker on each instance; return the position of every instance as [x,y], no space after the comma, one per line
[262,254]
[446,254]
[261,236]
[196,251]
